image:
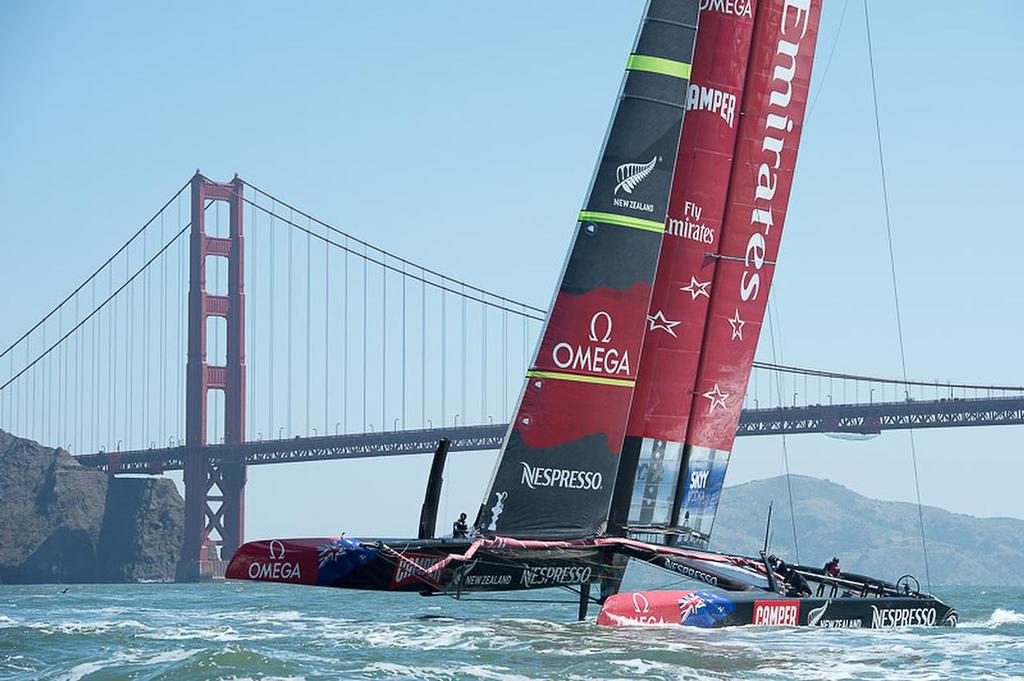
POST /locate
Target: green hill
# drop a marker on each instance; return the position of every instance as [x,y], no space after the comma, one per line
[879,538]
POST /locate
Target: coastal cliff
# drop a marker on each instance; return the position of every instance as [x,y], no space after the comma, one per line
[60,522]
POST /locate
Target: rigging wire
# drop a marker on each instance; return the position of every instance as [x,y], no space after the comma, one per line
[828,64]
[773,319]
[895,286]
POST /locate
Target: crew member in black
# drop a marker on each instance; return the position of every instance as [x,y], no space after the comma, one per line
[794,583]
[459,528]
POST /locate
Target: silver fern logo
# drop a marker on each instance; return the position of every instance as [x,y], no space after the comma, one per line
[629,175]
[815,615]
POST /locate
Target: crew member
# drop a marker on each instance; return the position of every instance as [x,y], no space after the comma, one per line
[832,567]
[460,529]
[793,583]
[796,585]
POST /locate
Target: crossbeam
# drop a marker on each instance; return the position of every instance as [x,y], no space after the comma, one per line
[838,418]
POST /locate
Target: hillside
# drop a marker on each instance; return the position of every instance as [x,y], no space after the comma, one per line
[880,538]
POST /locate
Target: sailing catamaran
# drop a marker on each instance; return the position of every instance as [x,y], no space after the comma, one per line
[618,449]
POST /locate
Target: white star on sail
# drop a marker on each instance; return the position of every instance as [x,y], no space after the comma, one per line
[658,321]
[717,398]
[697,288]
[737,326]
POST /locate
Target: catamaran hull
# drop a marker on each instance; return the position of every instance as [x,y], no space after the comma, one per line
[427,566]
[712,609]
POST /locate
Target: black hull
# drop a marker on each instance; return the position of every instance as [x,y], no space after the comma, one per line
[419,565]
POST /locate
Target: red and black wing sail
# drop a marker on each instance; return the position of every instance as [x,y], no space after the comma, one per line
[653,449]
[556,472]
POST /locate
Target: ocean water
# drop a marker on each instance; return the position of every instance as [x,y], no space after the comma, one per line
[265,631]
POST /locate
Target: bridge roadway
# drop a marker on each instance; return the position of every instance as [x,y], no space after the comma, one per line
[839,418]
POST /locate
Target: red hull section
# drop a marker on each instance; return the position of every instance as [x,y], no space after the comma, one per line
[709,609]
[648,607]
[293,561]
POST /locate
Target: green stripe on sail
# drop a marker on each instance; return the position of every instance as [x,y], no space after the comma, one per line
[622,221]
[666,67]
[559,376]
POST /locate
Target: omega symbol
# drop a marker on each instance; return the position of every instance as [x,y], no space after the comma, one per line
[594,335]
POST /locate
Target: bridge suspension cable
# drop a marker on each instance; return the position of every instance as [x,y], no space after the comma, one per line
[128,280]
[92,277]
[539,313]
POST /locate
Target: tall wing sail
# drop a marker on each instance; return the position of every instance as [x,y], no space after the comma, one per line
[778,78]
[653,449]
[557,468]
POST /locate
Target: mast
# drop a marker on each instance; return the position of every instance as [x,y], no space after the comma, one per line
[653,449]
[771,122]
[556,472]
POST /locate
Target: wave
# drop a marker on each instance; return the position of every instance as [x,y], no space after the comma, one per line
[74,628]
[391,670]
[999,618]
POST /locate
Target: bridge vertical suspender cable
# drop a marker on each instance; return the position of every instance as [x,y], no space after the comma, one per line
[423,349]
[365,284]
[895,286]
[383,344]
[444,352]
[327,335]
[291,334]
[344,352]
[251,318]
[405,282]
[309,323]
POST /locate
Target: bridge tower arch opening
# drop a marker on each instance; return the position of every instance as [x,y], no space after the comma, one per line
[214,488]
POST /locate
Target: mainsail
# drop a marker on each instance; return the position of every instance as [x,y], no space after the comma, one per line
[556,472]
[653,450]
[771,121]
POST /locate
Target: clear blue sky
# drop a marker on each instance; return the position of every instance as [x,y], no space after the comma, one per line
[463,135]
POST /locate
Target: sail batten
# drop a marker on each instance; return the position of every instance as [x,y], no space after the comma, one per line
[558,463]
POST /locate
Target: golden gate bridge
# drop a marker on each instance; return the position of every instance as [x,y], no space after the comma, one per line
[233,329]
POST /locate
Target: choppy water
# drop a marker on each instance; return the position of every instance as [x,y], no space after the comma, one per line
[259,631]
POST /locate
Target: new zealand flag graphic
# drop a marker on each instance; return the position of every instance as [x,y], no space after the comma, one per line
[337,559]
[703,609]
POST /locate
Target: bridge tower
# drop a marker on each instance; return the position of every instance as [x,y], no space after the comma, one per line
[214,491]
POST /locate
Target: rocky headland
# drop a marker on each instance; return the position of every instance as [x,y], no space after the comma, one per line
[60,522]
